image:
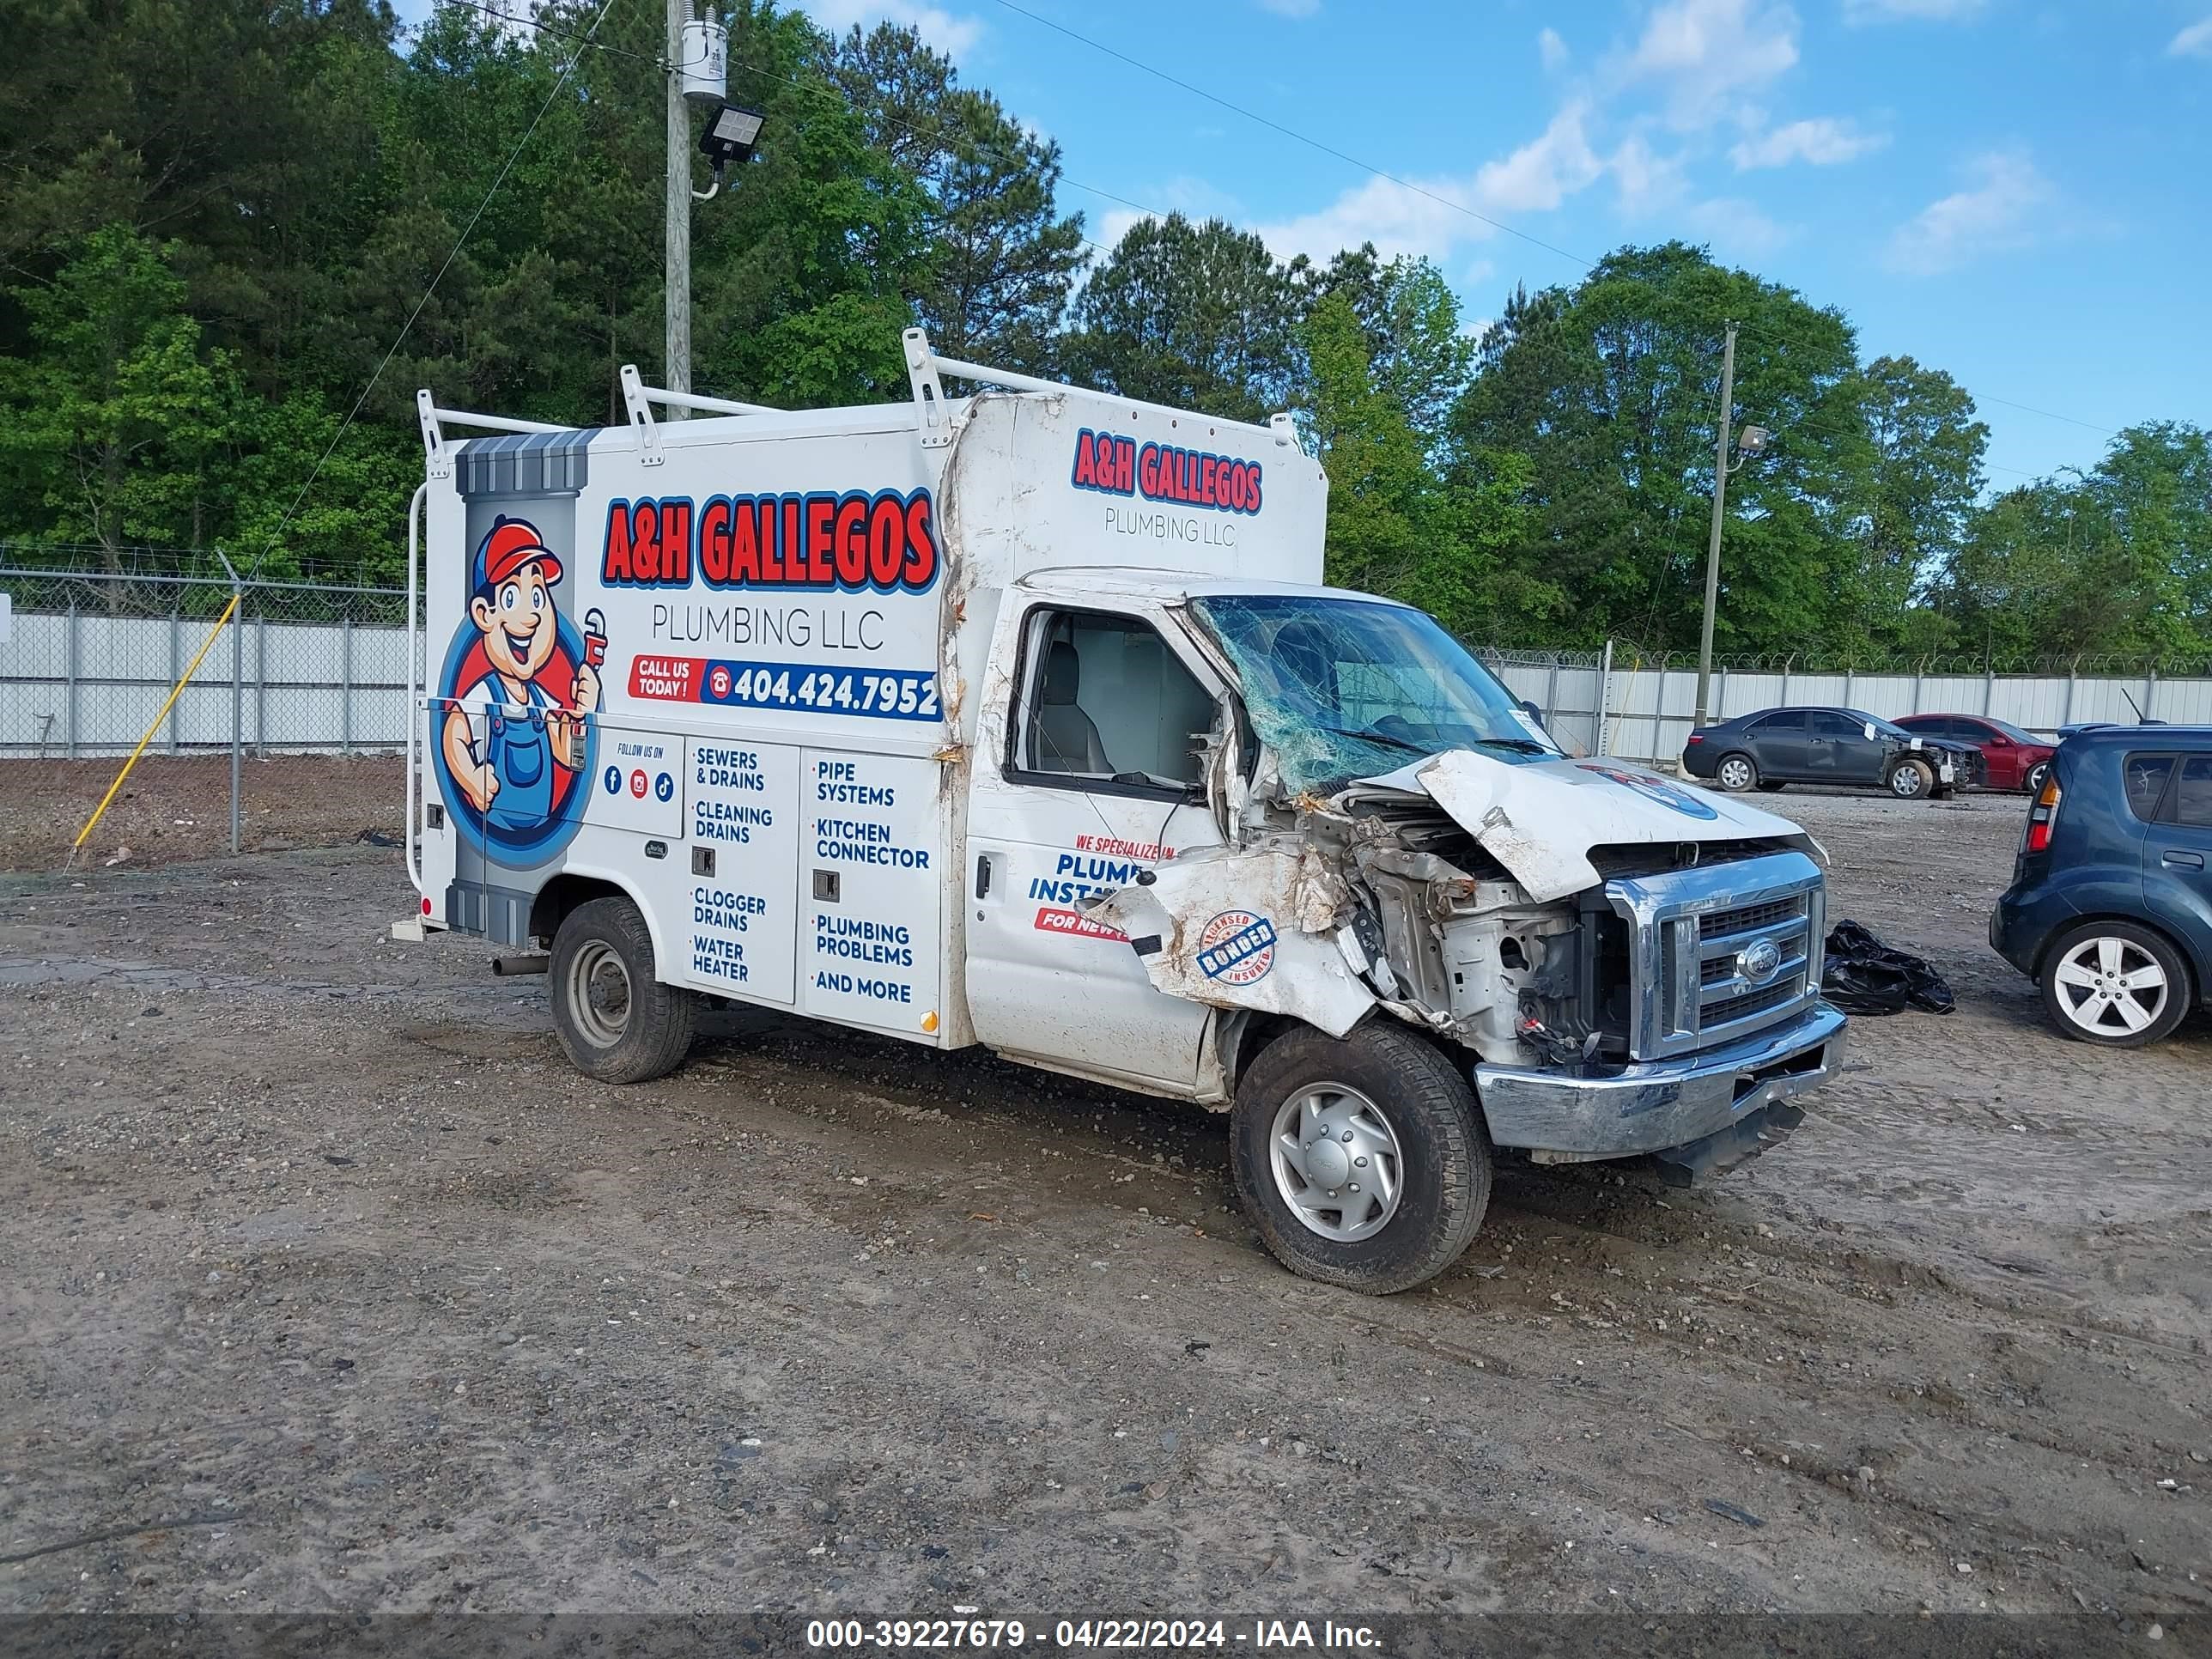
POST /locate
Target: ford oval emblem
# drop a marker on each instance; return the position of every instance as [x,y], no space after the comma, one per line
[1760,961]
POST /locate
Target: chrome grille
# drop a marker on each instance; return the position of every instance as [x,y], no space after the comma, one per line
[1722,951]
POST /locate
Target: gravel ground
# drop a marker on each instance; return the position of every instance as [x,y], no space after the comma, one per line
[178,806]
[330,1286]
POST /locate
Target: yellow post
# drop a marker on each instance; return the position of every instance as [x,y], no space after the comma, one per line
[92,822]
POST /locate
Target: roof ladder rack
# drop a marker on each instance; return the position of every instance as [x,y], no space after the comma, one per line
[438,454]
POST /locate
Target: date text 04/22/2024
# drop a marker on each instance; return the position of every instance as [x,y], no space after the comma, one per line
[1257,1636]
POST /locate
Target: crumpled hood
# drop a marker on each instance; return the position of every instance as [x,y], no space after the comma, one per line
[1541,818]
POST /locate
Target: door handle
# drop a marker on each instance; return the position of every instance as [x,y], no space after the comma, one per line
[2184,860]
[982,875]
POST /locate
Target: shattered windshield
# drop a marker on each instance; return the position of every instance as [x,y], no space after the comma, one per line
[1343,689]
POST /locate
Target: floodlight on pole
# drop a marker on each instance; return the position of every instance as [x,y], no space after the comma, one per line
[731,133]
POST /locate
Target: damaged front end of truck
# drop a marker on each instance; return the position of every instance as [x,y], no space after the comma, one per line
[1620,965]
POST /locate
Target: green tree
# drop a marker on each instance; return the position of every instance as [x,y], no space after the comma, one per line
[1198,315]
[1920,491]
[1001,260]
[2117,561]
[1609,390]
[1395,527]
[108,422]
[1420,355]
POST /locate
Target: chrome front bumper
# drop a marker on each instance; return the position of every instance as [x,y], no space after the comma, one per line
[1663,1103]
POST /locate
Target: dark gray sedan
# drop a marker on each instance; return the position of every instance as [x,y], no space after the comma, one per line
[1777,747]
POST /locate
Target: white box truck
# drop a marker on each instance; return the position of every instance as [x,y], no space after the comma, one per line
[1021,718]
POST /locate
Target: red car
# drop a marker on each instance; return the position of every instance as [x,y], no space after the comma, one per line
[2016,759]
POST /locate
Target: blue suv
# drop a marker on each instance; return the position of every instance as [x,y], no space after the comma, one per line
[2110,907]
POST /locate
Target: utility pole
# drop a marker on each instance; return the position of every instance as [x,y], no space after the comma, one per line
[678,280]
[1713,547]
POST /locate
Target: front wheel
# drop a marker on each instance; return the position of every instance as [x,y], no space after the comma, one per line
[2115,983]
[1912,780]
[616,1022]
[1362,1160]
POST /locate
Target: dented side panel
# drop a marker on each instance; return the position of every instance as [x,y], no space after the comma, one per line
[1246,928]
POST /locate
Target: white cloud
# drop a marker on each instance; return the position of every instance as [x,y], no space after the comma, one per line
[1191,196]
[1431,216]
[1543,171]
[1735,226]
[1823,142]
[2003,208]
[951,35]
[1703,52]
[1291,7]
[1481,271]
[2195,41]
[1553,50]
[1646,182]
[1890,11]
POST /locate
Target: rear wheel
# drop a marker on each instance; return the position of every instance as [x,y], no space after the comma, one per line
[1361,1160]
[2036,774]
[1912,780]
[616,1022]
[2116,983]
[1736,774]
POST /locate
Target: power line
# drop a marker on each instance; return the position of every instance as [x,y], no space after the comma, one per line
[460,241]
[2053,416]
[1292,133]
[976,151]
[500,16]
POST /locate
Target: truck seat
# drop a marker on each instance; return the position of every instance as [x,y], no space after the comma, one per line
[1062,737]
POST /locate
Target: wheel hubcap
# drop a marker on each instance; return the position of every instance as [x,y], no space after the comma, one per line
[1336,1163]
[1735,775]
[599,993]
[2112,986]
[1905,780]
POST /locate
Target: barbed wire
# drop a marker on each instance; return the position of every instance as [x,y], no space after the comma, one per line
[1836,664]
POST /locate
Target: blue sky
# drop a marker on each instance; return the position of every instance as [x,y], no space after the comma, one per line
[2019,191]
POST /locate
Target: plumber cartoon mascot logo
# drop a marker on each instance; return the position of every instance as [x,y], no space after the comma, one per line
[520,684]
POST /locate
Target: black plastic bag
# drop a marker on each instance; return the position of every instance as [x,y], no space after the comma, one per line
[1865,976]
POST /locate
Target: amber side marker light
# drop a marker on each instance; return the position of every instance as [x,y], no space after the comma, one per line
[2043,816]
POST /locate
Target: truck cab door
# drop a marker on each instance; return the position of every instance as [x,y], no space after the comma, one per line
[1088,771]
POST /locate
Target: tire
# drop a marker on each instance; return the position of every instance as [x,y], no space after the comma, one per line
[1767,787]
[1430,1123]
[1736,773]
[2033,781]
[1912,780]
[2078,971]
[603,956]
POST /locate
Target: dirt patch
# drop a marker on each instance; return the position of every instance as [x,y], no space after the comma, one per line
[178,806]
[320,1256]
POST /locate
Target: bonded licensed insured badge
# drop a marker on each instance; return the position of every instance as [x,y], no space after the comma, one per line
[1237,947]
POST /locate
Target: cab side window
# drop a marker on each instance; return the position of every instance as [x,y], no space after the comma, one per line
[1780,725]
[1105,703]
[1826,725]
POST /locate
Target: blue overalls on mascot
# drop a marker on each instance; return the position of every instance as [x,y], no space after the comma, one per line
[537,692]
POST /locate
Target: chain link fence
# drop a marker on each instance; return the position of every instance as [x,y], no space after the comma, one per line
[87,658]
[306,676]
